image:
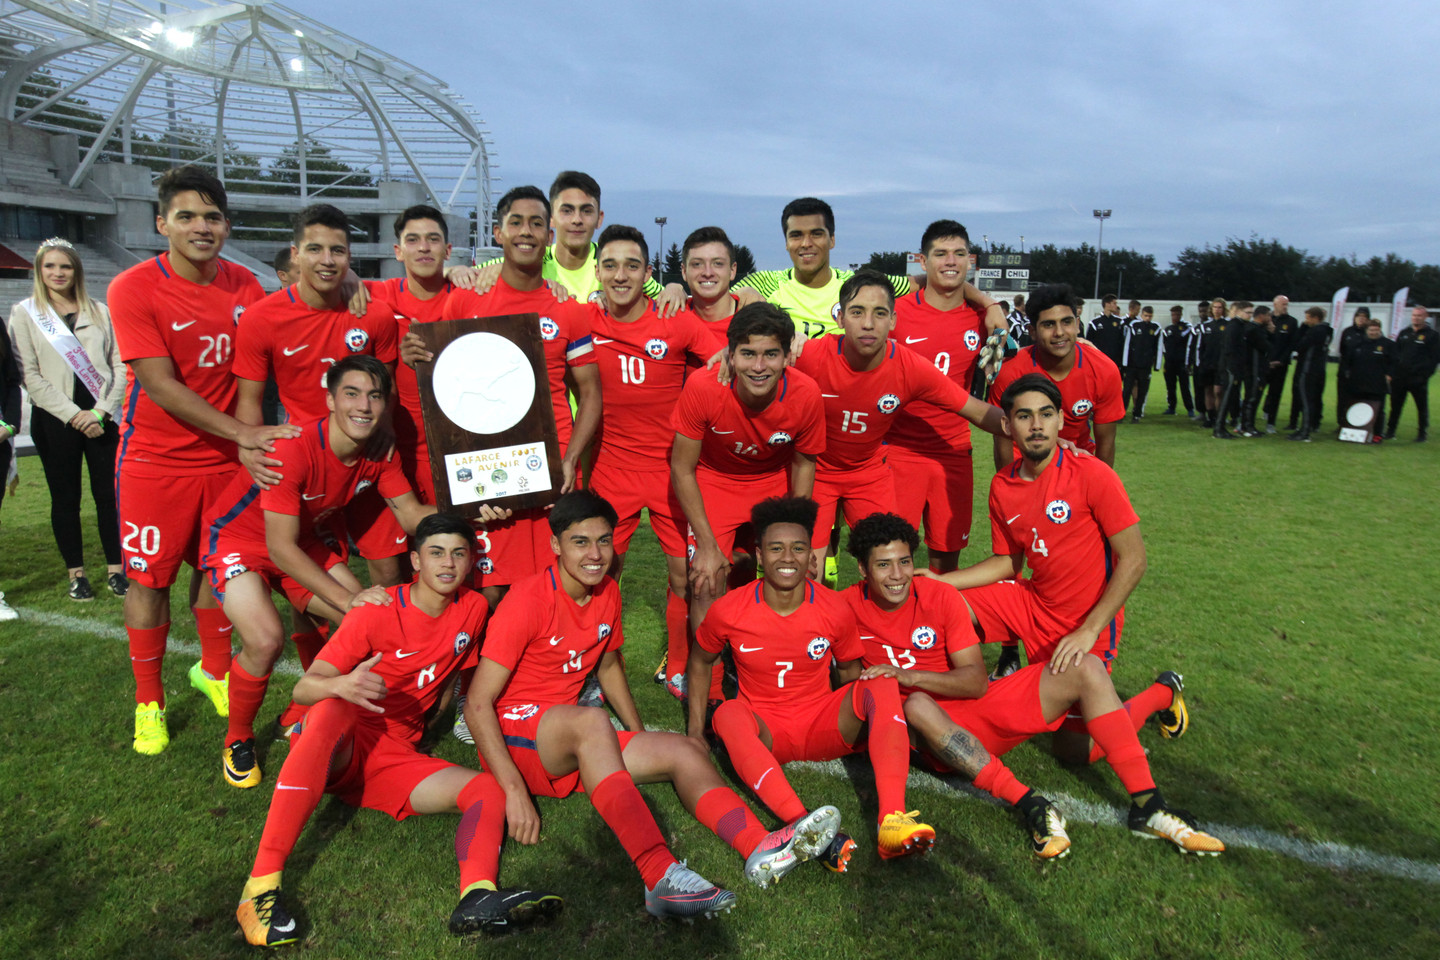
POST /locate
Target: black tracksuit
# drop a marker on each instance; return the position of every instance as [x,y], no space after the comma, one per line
[1142,356]
[1108,333]
[1416,354]
[1230,361]
[1313,351]
[1282,344]
[1349,337]
[1173,343]
[1257,353]
[1367,366]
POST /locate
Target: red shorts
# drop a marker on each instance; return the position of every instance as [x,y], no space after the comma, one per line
[163,515]
[935,493]
[633,490]
[373,527]
[1009,610]
[383,772]
[519,723]
[230,559]
[863,491]
[808,731]
[1008,714]
[728,502]
[514,549]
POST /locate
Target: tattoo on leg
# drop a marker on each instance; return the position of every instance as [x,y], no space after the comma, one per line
[962,752]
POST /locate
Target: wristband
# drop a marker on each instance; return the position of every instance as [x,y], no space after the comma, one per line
[99,415]
[9,429]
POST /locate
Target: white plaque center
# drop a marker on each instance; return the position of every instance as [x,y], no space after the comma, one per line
[483,383]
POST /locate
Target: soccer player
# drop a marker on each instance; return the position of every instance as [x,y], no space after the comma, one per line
[1233,353]
[784,632]
[1107,331]
[287,538]
[739,443]
[866,378]
[1417,351]
[1212,349]
[296,334]
[919,632]
[1312,347]
[174,318]
[1173,344]
[372,688]
[928,451]
[708,265]
[551,631]
[1141,359]
[1088,380]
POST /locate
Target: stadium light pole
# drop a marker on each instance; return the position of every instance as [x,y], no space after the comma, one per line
[1022,243]
[660,254]
[1102,216]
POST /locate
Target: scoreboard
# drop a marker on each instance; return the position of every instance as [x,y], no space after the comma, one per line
[1002,272]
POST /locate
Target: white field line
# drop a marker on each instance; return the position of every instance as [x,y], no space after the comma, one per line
[1322,854]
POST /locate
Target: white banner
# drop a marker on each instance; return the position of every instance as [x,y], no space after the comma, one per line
[1337,312]
[1399,319]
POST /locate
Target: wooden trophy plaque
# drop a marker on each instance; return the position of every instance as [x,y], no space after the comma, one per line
[488,418]
[1360,421]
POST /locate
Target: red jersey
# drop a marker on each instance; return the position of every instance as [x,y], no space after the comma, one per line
[951,341]
[1062,521]
[782,659]
[564,327]
[550,642]
[158,313]
[920,634]
[300,344]
[642,369]
[316,485]
[740,443]
[860,405]
[1090,391]
[719,330]
[420,654]
[407,309]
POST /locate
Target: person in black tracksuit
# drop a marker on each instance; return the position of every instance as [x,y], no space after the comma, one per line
[1417,351]
[1368,364]
[1257,353]
[1107,331]
[1173,341]
[1194,350]
[1208,377]
[1312,353]
[1232,356]
[1282,345]
[1349,337]
[1142,356]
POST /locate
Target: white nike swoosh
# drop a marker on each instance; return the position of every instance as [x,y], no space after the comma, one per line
[177,327]
[756,784]
[555,640]
[227,629]
[745,649]
[713,430]
[831,396]
[399,540]
[290,353]
[898,718]
[915,339]
[286,786]
[400,655]
[1012,519]
[306,496]
[865,636]
[285,927]
[599,340]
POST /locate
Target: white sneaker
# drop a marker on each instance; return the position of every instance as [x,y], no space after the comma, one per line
[7,612]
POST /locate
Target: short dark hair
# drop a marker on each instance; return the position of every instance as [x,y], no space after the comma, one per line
[520,193]
[620,232]
[1134,303]
[808,207]
[1145,310]
[282,260]
[761,319]
[438,524]
[1036,382]
[323,215]
[941,229]
[879,529]
[1108,298]
[177,180]
[421,211]
[577,506]
[1242,305]
[704,235]
[800,511]
[364,363]
[1365,311]
[575,180]
[1262,310]
[1317,312]
[865,278]
[1177,309]
[1047,296]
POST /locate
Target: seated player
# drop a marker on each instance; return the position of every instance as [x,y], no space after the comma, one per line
[783,633]
[548,634]
[373,687]
[288,538]
[1068,613]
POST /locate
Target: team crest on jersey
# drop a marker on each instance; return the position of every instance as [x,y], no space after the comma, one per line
[923,638]
[239,309]
[138,563]
[362,486]
[485,565]
[549,329]
[779,437]
[888,403]
[657,349]
[462,640]
[603,632]
[817,648]
[1082,407]
[1058,511]
[234,570]
[972,340]
[597,296]
[689,554]
[523,712]
[356,339]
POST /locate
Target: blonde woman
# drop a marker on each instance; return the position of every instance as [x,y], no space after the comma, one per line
[71,368]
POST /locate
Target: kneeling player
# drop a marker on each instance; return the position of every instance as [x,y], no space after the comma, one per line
[282,539]
[783,633]
[551,630]
[372,687]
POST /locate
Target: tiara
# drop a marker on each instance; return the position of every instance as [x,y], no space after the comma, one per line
[54,242]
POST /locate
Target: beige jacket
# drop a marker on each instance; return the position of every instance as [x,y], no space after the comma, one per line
[48,378]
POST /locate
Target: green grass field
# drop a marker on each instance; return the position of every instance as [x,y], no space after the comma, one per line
[1293,585]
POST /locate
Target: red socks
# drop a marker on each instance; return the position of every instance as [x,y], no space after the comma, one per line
[730,819]
[247,692]
[736,728]
[878,703]
[302,781]
[147,653]
[308,644]
[677,623]
[481,831]
[1141,708]
[996,779]
[215,630]
[623,810]
[1116,737]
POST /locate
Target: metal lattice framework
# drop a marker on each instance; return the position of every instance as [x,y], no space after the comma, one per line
[240,86]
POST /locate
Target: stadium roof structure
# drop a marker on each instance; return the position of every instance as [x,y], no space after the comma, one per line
[241,87]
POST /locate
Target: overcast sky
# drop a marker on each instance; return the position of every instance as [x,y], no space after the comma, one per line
[1310,122]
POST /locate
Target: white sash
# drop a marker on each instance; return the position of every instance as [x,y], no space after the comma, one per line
[63,339]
